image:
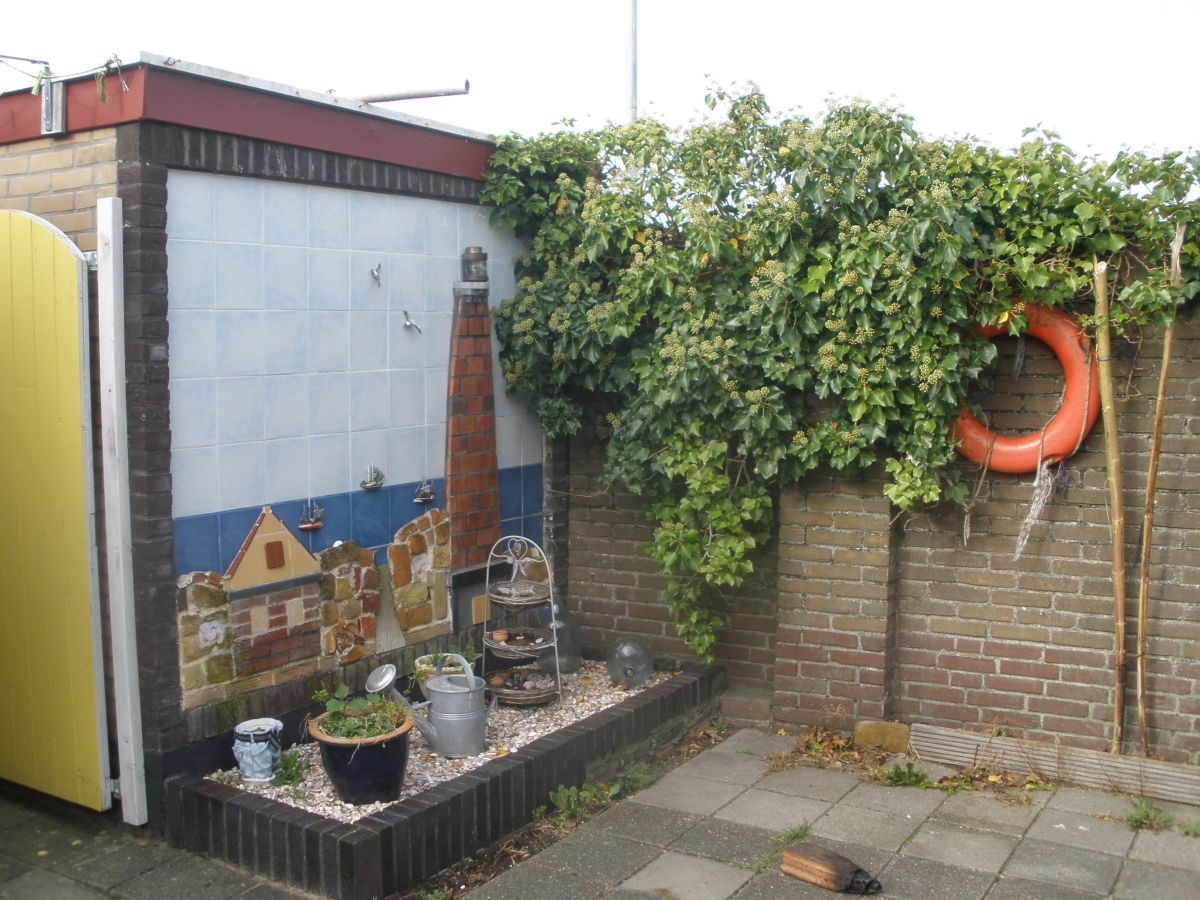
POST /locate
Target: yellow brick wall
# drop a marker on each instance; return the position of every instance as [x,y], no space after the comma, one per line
[60,179]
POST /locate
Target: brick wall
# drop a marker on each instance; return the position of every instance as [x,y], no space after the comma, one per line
[873,615]
[617,590]
[60,179]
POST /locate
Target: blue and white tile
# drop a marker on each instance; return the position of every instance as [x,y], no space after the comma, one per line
[510,492]
[406,346]
[329,464]
[241,410]
[329,404]
[371,221]
[239,342]
[531,489]
[437,383]
[407,397]
[287,406]
[507,404]
[328,279]
[474,229]
[190,205]
[437,339]
[508,443]
[370,518]
[406,284]
[241,475]
[441,229]
[194,481]
[239,270]
[435,450]
[328,342]
[238,210]
[328,217]
[285,278]
[407,459]
[408,225]
[531,441]
[191,274]
[192,343]
[287,469]
[197,544]
[369,404]
[368,340]
[285,342]
[369,448]
[193,413]
[285,213]
[365,291]
[441,274]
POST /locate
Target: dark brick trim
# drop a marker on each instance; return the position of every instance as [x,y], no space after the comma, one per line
[414,839]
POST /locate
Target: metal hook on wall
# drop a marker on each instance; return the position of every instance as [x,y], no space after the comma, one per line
[377,273]
[409,323]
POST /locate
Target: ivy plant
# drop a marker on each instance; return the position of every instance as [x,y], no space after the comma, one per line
[731,306]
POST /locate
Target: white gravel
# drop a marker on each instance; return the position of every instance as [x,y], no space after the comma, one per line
[509,728]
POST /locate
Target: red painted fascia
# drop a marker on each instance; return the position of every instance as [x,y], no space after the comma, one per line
[180,99]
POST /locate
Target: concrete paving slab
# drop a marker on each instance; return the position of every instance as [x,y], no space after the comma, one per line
[192,877]
[774,885]
[604,859]
[730,842]
[689,794]
[11,868]
[736,768]
[39,884]
[679,875]
[636,821]
[531,880]
[120,861]
[809,781]
[750,741]
[767,809]
[1058,826]
[1167,848]
[1089,802]
[12,812]
[1020,889]
[991,813]
[908,878]
[1065,866]
[895,800]
[48,842]
[870,828]
[962,847]
[1141,881]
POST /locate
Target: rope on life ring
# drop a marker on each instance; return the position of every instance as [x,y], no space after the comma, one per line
[1065,432]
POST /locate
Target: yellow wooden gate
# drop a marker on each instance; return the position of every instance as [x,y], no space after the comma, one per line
[53,734]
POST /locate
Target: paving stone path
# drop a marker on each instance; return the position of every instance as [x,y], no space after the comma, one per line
[702,832]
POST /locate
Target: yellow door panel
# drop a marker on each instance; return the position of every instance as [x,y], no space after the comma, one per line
[52,724]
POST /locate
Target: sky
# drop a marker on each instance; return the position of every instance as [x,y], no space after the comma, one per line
[1105,74]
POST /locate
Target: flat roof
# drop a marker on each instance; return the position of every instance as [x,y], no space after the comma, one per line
[164,89]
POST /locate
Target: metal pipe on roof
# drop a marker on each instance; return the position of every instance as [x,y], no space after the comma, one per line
[415,95]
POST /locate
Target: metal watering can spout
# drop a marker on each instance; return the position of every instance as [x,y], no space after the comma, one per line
[428,730]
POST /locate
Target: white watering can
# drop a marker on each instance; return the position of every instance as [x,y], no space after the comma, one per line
[457,708]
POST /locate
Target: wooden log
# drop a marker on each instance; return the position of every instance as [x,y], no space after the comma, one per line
[824,868]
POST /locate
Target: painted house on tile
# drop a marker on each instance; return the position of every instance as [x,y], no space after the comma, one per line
[317,449]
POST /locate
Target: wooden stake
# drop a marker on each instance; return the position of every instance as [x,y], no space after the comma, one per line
[1116,519]
[1148,506]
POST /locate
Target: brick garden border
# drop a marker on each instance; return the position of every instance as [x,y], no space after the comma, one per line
[414,839]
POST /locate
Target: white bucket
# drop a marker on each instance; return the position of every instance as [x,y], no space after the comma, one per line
[256,749]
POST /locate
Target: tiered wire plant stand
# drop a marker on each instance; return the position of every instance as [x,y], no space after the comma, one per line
[520,594]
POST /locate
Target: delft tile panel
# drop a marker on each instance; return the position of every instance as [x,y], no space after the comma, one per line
[277,326]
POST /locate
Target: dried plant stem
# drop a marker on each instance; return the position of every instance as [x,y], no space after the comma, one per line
[1116,519]
[1160,401]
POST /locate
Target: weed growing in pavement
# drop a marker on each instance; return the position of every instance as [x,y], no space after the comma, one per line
[1145,815]
[909,776]
[785,840]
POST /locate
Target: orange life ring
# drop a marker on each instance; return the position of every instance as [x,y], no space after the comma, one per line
[1075,417]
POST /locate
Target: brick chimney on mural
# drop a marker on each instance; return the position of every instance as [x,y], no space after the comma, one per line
[472,477]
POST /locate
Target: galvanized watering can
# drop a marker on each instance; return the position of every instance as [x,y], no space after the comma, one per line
[457,711]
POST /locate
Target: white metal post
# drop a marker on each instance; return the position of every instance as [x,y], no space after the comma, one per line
[115,450]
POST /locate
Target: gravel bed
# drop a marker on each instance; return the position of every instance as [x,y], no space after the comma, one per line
[509,728]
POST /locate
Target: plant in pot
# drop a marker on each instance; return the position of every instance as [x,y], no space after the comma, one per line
[364,744]
[425,666]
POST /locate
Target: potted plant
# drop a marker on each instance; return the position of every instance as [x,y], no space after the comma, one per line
[424,667]
[364,744]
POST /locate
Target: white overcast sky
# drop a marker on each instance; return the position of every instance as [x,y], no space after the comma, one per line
[1104,73]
